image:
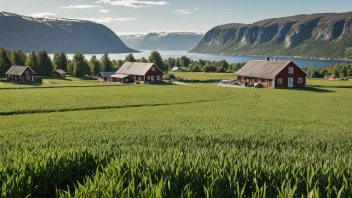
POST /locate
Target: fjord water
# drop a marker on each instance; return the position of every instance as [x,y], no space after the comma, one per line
[231,59]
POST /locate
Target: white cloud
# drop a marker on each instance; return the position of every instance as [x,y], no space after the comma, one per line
[196,8]
[81,6]
[133,3]
[108,19]
[182,11]
[43,15]
[104,11]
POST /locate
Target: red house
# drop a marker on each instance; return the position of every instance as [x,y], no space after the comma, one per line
[138,72]
[272,73]
[20,74]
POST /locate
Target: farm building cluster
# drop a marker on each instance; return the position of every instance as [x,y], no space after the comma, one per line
[133,73]
[267,73]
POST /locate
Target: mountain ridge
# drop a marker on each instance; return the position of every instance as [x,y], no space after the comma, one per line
[57,35]
[166,41]
[322,35]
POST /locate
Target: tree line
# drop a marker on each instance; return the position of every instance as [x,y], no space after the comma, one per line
[340,70]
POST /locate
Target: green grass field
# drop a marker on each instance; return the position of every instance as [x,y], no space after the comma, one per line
[176,141]
[205,76]
[55,82]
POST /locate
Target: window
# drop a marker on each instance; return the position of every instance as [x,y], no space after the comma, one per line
[152,78]
[265,82]
[148,77]
[253,80]
[27,73]
[279,81]
[134,77]
[126,80]
[139,78]
[157,77]
[259,81]
[290,70]
[242,78]
[300,80]
[153,68]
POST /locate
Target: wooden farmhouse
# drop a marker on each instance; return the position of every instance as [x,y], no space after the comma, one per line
[105,76]
[272,73]
[138,72]
[20,74]
[59,73]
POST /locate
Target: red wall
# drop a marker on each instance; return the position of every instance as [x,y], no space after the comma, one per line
[155,73]
[122,80]
[256,80]
[284,75]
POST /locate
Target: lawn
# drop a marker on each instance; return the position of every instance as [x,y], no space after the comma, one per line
[205,76]
[55,82]
[176,141]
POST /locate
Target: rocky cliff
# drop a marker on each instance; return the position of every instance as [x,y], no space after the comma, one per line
[57,35]
[310,36]
[172,41]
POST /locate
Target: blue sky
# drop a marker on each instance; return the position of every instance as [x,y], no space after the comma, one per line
[142,16]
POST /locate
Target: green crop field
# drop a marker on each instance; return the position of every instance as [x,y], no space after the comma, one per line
[176,141]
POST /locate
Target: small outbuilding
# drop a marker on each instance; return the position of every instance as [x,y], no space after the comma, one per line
[59,73]
[332,77]
[105,76]
[176,69]
[272,73]
[20,74]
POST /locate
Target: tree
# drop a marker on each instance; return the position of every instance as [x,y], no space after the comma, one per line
[18,58]
[105,63]
[315,74]
[94,66]
[60,61]
[69,67]
[80,65]
[209,68]
[184,61]
[32,61]
[143,60]
[5,62]
[130,58]
[45,66]
[156,58]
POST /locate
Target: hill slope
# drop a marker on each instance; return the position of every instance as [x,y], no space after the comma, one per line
[309,36]
[57,35]
[173,41]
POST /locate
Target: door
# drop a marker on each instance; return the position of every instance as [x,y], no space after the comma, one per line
[290,82]
[152,78]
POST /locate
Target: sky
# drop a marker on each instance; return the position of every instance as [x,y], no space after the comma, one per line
[143,16]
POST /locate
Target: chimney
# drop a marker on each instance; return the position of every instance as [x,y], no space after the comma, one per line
[268,58]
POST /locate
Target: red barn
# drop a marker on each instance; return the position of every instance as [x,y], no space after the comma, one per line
[138,72]
[272,73]
[20,74]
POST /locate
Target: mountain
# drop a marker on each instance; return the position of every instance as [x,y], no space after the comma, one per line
[57,35]
[172,41]
[325,36]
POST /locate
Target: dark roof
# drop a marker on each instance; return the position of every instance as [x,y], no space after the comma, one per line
[107,74]
[135,68]
[60,71]
[262,69]
[18,70]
